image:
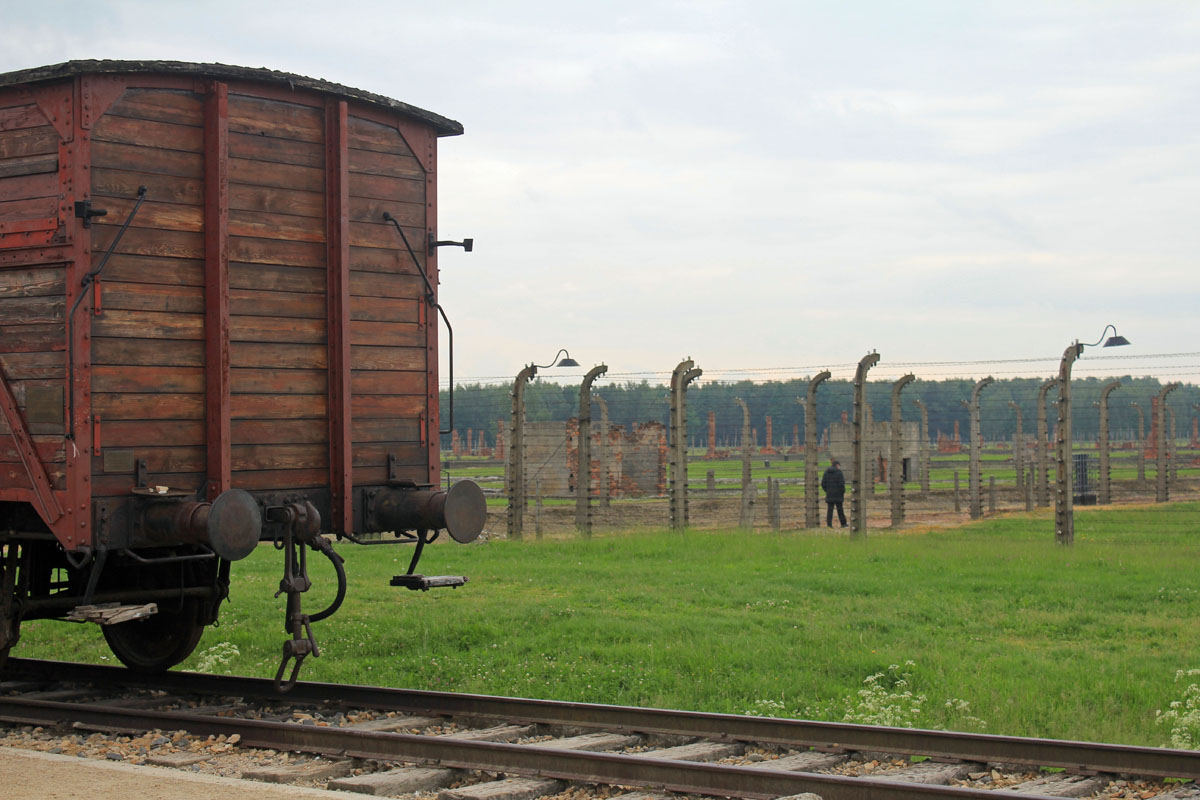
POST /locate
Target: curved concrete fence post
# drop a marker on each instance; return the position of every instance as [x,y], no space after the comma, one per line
[812,502]
[1104,445]
[896,455]
[583,479]
[863,479]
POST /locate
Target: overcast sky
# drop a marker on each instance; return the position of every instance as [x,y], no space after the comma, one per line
[759,184]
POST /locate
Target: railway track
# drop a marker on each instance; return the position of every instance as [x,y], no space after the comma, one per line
[406,741]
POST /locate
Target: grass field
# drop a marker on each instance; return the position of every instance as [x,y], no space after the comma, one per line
[1035,639]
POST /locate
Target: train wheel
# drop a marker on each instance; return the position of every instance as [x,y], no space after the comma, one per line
[9,628]
[10,622]
[159,642]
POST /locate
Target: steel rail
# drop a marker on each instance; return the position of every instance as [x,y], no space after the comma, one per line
[576,765]
[1070,755]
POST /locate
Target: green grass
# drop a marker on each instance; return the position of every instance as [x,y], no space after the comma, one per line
[1041,640]
[728,471]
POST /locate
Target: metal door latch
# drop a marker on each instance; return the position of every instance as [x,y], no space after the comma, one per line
[85,212]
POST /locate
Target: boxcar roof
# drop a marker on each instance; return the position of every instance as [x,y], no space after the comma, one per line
[443,125]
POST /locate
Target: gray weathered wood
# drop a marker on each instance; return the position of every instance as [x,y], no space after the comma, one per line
[933,772]
[697,751]
[401,723]
[404,780]
[294,773]
[111,613]
[592,741]
[500,733]
[178,760]
[510,789]
[802,762]
[1059,786]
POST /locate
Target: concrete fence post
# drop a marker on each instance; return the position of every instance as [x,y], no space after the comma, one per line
[1105,489]
[1043,462]
[1141,445]
[746,517]
[773,503]
[583,481]
[537,512]
[673,434]
[974,470]
[864,480]
[603,458]
[1018,448]
[682,440]
[1028,489]
[1174,468]
[516,455]
[1162,492]
[812,508]
[991,494]
[1064,490]
[896,456]
[957,501]
[1194,441]
[868,439]
[683,374]
[923,447]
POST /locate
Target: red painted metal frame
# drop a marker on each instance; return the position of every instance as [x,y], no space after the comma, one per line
[337,238]
[217,427]
[75,159]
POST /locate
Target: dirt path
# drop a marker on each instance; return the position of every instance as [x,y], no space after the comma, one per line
[46,776]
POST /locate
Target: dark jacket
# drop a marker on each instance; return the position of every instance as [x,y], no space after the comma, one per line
[834,484]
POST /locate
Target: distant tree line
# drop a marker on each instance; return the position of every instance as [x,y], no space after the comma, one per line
[479,407]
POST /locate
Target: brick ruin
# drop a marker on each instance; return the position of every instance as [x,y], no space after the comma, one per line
[949,444]
[876,445]
[635,460]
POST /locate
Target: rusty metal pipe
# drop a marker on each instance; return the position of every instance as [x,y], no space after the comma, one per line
[462,510]
[230,525]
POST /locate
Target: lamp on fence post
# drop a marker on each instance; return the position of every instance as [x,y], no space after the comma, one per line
[516,445]
[1064,497]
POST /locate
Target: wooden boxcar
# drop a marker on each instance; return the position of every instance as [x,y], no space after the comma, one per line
[211,333]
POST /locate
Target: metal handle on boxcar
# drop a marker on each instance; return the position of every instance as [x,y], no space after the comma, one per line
[85,212]
[431,298]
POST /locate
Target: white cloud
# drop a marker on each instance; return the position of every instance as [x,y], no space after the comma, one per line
[745,182]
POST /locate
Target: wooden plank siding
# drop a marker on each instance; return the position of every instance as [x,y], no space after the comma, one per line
[146,316]
[32,358]
[278,303]
[33,332]
[388,313]
[147,340]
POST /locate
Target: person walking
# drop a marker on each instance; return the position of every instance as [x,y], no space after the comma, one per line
[834,484]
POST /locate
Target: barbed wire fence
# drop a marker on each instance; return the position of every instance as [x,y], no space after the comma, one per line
[919,444]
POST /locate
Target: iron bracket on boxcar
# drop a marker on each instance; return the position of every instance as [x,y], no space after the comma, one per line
[431,298]
[466,244]
[85,211]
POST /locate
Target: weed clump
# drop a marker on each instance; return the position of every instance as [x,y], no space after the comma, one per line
[220,654]
[1183,715]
